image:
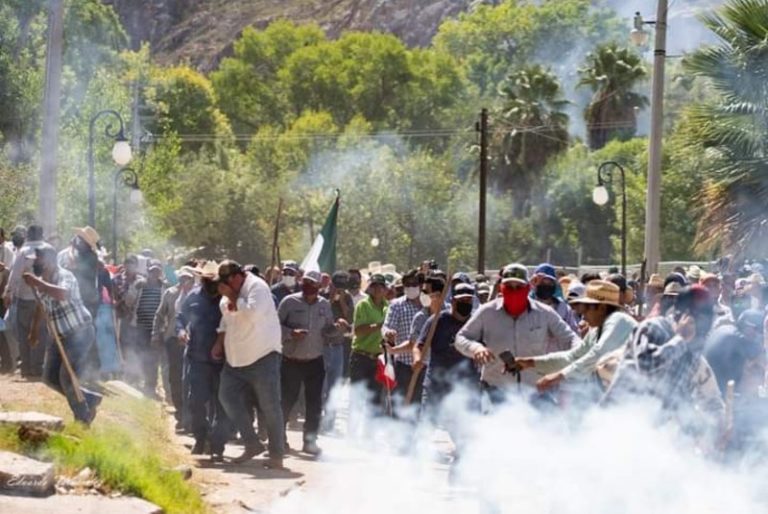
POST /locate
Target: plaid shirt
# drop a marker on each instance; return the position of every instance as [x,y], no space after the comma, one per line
[67,315]
[399,318]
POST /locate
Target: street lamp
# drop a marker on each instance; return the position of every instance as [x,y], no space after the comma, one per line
[600,197]
[121,154]
[638,35]
[653,195]
[129,179]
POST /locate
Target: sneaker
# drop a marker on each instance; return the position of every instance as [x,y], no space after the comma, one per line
[217,457]
[251,451]
[93,401]
[311,448]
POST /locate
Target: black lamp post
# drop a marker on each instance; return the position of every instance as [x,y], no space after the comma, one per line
[600,197]
[121,154]
[129,179]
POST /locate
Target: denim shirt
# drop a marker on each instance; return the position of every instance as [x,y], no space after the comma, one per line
[200,316]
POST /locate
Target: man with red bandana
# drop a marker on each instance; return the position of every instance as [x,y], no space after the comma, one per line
[513,322]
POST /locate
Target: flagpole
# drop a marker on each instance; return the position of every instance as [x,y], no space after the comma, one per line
[274,242]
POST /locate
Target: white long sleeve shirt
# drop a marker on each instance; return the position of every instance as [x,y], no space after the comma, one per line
[580,362]
[253,330]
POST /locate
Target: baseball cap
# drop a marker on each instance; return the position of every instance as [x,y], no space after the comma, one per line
[314,276]
[547,270]
[154,264]
[291,265]
[461,277]
[751,318]
[377,278]
[462,290]
[514,273]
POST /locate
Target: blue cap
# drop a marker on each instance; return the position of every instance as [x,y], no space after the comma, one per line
[461,277]
[751,318]
[547,270]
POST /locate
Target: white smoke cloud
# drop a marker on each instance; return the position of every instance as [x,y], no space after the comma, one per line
[617,460]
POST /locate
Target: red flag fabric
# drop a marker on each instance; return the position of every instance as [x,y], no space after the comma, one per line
[385,372]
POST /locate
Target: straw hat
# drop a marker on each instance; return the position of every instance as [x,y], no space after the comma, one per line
[208,270]
[656,281]
[600,291]
[89,235]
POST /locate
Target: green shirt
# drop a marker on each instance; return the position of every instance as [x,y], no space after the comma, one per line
[366,313]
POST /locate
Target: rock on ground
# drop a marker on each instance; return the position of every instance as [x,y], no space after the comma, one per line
[32,419]
[22,475]
[77,505]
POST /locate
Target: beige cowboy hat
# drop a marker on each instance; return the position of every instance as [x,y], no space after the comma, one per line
[208,270]
[89,235]
[600,291]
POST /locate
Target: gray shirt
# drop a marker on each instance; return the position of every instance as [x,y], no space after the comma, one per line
[295,313]
[525,336]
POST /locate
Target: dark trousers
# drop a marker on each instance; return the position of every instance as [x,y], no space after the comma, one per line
[362,370]
[311,375]
[31,356]
[209,421]
[76,345]
[403,376]
[175,354]
[149,358]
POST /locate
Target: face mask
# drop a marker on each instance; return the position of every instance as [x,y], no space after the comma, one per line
[425,300]
[289,281]
[515,300]
[545,291]
[463,309]
[412,292]
[309,289]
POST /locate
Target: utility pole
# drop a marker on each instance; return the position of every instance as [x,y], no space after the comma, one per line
[49,143]
[653,195]
[482,127]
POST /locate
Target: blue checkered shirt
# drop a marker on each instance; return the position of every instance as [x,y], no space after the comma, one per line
[399,318]
[67,315]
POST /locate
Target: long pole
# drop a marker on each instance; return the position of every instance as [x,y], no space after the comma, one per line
[274,242]
[653,195]
[114,218]
[483,129]
[51,108]
[623,223]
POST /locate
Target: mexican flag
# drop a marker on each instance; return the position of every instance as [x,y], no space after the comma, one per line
[322,255]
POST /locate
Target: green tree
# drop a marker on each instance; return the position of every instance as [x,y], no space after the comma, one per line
[611,72]
[534,128]
[733,129]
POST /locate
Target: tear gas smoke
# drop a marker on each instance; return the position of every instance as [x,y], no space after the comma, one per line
[518,459]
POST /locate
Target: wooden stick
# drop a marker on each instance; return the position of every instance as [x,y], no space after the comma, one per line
[274,242]
[64,359]
[428,342]
[116,328]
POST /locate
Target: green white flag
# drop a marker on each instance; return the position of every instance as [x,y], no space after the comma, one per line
[322,254]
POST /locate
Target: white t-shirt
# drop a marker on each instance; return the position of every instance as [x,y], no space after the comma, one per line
[253,330]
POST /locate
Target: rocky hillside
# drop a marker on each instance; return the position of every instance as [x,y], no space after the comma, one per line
[201,32]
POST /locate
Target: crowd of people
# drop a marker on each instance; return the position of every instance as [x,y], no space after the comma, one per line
[235,351]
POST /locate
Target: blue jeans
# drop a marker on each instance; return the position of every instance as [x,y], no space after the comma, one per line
[333,357]
[106,340]
[263,378]
[76,345]
[209,422]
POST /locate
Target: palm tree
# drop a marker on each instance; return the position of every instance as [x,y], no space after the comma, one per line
[612,72]
[534,129]
[733,129]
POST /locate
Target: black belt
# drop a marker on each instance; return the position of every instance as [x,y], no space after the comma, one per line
[365,354]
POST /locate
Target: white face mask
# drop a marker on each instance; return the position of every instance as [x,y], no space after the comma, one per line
[289,281]
[425,300]
[412,292]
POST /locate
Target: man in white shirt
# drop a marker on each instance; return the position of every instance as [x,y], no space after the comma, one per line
[251,341]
